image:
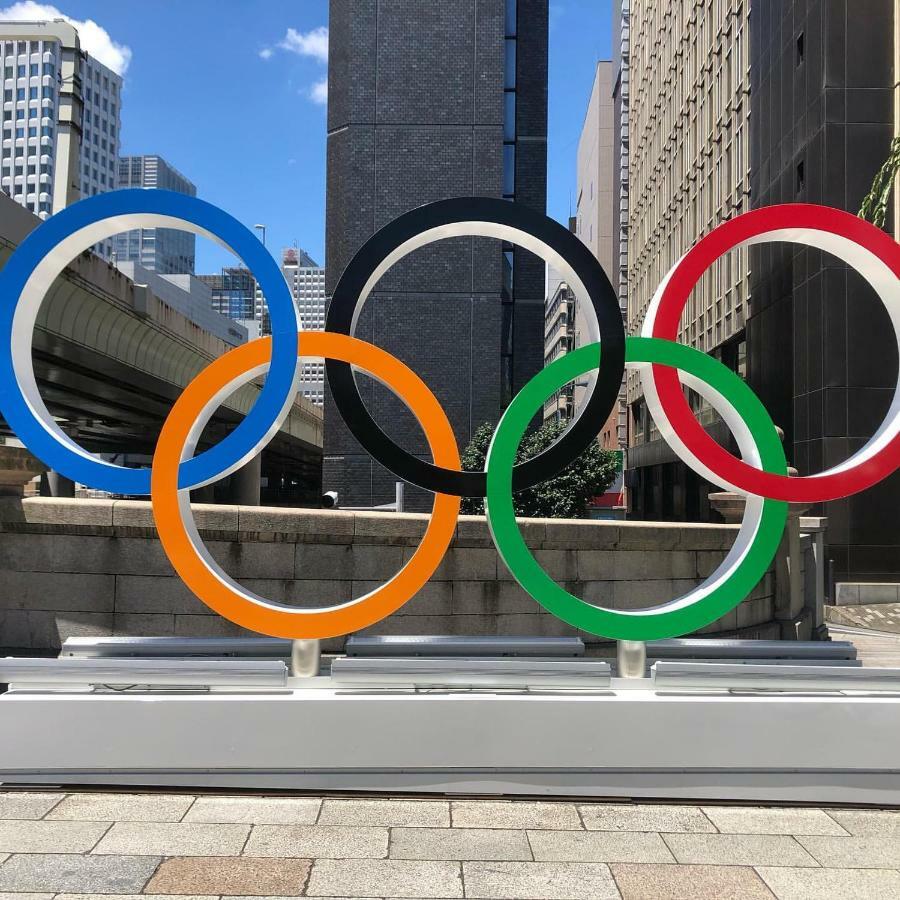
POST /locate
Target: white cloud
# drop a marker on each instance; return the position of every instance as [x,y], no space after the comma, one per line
[94,38]
[318,92]
[266,53]
[312,43]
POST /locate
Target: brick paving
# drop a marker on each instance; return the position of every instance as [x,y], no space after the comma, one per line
[80,846]
[878,616]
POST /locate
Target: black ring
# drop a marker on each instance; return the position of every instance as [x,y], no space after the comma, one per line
[597,405]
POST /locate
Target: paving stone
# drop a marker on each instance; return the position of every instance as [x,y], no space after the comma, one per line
[421,813]
[673,882]
[832,884]
[459,843]
[868,821]
[385,878]
[23,836]
[174,839]
[740,849]
[255,810]
[77,874]
[774,820]
[244,876]
[127,896]
[539,881]
[514,814]
[318,841]
[645,817]
[27,804]
[26,896]
[599,846]
[123,807]
[868,852]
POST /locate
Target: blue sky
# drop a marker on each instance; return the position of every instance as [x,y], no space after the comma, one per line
[248,130]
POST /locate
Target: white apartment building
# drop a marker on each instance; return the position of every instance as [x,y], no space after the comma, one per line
[307,283]
[31,72]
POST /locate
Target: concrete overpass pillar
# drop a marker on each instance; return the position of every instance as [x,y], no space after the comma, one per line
[245,483]
[55,485]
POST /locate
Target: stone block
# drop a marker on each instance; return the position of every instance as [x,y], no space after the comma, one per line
[209,626]
[356,562]
[459,844]
[645,817]
[249,559]
[515,814]
[670,882]
[15,631]
[67,511]
[140,625]
[49,837]
[173,839]
[390,813]
[740,849]
[754,612]
[385,878]
[599,846]
[490,598]
[433,599]
[702,536]
[708,561]
[216,516]
[122,807]
[864,852]
[571,534]
[815,884]
[133,514]
[318,841]
[57,591]
[27,804]
[539,881]
[471,563]
[304,593]
[771,820]
[137,556]
[643,536]
[71,873]
[255,810]
[560,565]
[336,526]
[155,594]
[635,565]
[49,629]
[846,594]
[244,876]
[405,529]
[877,822]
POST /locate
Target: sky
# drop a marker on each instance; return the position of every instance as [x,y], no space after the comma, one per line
[233,92]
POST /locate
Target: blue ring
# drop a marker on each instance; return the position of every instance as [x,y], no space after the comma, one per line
[279,383]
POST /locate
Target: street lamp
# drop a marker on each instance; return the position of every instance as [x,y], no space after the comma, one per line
[261,228]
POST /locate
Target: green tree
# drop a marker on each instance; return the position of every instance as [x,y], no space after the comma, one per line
[875,204]
[566,495]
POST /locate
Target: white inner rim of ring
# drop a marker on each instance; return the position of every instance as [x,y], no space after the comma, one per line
[873,270]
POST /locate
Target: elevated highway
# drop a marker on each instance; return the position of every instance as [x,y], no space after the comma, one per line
[111,357]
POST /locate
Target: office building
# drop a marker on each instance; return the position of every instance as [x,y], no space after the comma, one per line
[233,294]
[821,351]
[32,73]
[307,283]
[688,154]
[458,108]
[167,251]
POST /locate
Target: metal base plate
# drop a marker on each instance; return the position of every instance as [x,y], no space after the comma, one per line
[621,743]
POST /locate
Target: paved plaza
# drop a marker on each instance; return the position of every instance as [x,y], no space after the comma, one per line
[82,845]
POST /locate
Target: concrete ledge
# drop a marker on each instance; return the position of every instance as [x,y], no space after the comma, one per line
[866,593]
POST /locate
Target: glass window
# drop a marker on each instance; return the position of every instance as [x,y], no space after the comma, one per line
[34,69]
[509,116]
[20,93]
[20,71]
[20,132]
[509,169]
[510,77]
[32,131]
[511,15]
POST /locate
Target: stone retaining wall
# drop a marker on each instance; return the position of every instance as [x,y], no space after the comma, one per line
[96,567]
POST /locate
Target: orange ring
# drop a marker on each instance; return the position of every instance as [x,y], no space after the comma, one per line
[198,570]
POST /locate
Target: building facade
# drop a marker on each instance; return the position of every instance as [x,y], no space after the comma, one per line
[822,354]
[688,159]
[31,72]
[430,101]
[307,283]
[164,250]
[233,294]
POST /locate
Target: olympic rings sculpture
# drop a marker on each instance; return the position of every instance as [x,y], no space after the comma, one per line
[665,368]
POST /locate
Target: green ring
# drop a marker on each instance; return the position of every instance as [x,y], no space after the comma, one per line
[633,625]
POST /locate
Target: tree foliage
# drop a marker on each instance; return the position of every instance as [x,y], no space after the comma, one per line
[566,495]
[875,204]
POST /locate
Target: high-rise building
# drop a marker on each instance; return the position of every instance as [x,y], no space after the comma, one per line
[32,88]
[821,349]
[233,294]
[167,251]
[307,283]
[595,219]
[428,101]
[688,170]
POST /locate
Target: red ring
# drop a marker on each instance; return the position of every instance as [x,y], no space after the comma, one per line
[811,488]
